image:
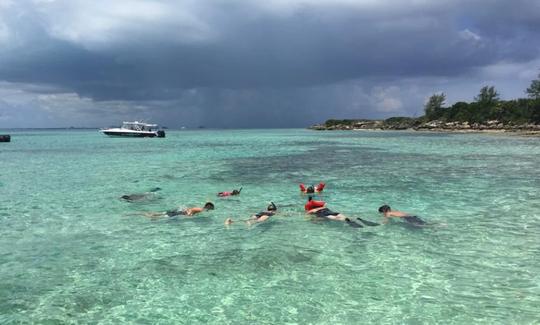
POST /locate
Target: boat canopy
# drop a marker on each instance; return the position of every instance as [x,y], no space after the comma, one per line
[140,126]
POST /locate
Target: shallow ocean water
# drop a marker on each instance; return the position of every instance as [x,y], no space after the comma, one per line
[72,251]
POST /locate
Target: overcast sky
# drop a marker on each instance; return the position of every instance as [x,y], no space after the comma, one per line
[239,63]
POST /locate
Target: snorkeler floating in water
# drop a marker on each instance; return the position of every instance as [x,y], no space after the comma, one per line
[234,192]
[262,216]
[181,212]
[413,220]
[312,189]
[138,197]
[325,213]
[319,209]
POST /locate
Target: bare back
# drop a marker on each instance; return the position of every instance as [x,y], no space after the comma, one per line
[396,214]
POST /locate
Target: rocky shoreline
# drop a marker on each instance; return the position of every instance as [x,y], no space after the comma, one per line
[493,126]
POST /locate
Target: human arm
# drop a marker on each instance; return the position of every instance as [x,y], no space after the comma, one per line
[192,211]
[262,218]
[313,211]
[395,214]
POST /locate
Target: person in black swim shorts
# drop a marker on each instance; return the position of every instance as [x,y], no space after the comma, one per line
[262,216]
[388,213]
[325,213]
[188,212]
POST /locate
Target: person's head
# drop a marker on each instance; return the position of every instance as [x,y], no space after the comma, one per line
[310,189]
[235,192]
[209,206]
[384,209]
[271,207]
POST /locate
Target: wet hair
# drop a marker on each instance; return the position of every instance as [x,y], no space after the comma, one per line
[384,208]
[272,207]
[209,206]
[310,189]
[235,192]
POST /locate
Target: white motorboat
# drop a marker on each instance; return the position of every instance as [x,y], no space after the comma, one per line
[135,129]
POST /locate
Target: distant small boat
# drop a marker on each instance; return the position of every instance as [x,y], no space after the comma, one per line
[135,130]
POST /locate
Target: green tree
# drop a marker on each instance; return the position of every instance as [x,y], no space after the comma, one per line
[434,106]
[458,112]
[535,111]
[534,90]
[488,96]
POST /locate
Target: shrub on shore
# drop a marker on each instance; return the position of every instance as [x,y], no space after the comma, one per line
[487,111]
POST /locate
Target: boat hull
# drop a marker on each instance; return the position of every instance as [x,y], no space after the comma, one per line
[130,134]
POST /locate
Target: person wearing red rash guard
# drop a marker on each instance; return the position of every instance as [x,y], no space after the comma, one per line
[312,189]
[234,192]
[319,209]
[312,204]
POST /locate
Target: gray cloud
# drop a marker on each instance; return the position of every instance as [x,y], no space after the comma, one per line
[239,63]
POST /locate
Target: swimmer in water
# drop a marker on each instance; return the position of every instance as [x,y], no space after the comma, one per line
[312,189]
[233,193]
[388,213]
[262,216]
[189,212]
[138,197]
[319,209]
[325,213]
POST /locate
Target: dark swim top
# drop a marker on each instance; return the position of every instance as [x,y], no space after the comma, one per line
[325,212]
[264,213]
[414,220]
[177,212]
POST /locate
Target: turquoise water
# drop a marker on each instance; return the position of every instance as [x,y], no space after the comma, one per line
[72,251]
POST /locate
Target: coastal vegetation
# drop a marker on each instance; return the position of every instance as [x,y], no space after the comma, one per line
[486,112]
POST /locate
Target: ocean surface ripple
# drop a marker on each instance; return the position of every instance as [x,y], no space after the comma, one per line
[71,251]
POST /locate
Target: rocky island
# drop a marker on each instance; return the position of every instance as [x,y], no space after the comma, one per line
[486,114]
[417,124]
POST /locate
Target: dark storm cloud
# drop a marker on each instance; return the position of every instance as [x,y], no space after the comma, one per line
[239,61]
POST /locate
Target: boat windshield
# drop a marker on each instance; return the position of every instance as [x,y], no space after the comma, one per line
[138,126]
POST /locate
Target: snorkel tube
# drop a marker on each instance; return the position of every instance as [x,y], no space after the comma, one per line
[272,207]
[236,192]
